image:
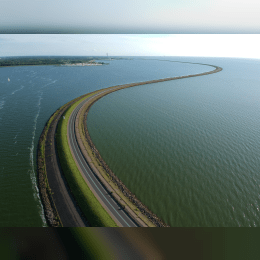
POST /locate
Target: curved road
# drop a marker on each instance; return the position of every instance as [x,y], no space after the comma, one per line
[113,207]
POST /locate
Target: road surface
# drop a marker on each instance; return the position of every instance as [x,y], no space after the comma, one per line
[114,209]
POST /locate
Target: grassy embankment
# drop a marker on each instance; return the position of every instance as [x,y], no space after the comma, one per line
[90,206]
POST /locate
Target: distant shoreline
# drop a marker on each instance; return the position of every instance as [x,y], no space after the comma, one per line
[84,64]
[14,62]
[61,65]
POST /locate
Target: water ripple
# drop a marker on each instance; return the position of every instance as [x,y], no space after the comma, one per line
[17,90]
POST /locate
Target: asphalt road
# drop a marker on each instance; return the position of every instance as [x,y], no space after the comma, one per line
[114,208]
[66,205]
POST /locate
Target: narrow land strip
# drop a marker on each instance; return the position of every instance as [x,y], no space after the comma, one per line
[69,158]
[129,203]
[60,207]
[92,176]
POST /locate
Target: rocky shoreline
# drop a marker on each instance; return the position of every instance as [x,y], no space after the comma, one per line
[127,193]
[145,211]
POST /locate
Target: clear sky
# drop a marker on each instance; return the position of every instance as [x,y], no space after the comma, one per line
[205,45]
[130,16]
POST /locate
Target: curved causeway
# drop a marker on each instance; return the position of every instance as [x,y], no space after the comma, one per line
[76,186]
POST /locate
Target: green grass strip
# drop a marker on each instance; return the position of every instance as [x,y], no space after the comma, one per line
[90,206]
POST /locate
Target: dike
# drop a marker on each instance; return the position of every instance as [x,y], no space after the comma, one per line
[46,152]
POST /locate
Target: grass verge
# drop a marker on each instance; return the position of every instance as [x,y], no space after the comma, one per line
[90,206]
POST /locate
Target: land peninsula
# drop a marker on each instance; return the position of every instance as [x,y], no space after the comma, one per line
[51,60]
[68,197]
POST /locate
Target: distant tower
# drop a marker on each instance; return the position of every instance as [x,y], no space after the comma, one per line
[107,57]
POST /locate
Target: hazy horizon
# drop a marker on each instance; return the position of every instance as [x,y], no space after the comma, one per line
[143,16]
[190,45]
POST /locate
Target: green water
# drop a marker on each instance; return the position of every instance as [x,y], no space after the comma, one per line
[189,149]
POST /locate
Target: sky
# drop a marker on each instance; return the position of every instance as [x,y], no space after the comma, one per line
[203,45]
[223,28]
[135,16]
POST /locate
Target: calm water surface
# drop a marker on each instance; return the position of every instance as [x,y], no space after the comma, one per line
[28,100]
[189,149]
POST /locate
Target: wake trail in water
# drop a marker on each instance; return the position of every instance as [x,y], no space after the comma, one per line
[2,102]
[32,170]
[52,82]
[18,90]
[16,136]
